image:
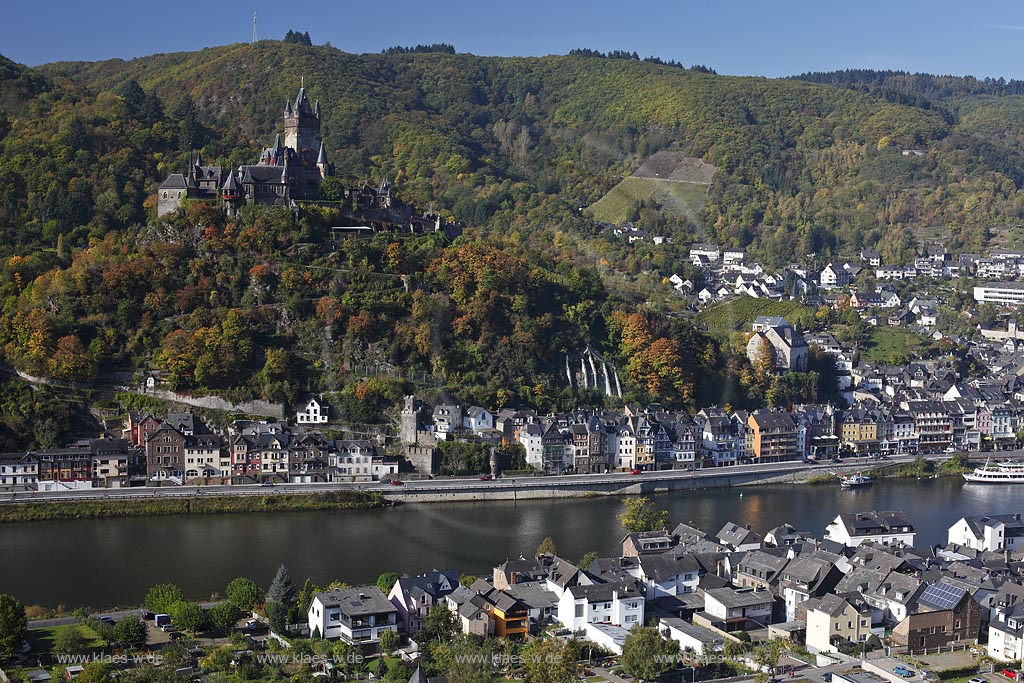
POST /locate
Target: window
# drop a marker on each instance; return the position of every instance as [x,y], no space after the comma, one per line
[579,611]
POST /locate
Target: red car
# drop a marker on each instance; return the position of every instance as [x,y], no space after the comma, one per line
[1012,674]
[397,482]
[636,471]
[485,477]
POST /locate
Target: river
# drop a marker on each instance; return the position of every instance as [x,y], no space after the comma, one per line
[101,563]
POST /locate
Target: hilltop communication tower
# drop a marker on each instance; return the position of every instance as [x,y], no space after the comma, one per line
[254,27]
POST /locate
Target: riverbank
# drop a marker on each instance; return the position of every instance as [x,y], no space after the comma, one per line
[193,505]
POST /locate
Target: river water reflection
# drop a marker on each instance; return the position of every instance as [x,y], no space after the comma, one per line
[106,562]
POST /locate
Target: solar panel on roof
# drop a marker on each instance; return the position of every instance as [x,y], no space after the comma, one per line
[942,595]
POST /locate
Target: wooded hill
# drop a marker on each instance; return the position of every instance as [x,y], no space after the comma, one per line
[513,148]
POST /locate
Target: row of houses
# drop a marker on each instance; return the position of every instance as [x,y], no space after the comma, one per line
[865,578]
[180,448]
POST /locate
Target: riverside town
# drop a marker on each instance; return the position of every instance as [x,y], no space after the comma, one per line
[611,347]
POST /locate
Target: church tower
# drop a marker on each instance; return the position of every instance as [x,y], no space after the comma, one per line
[302,128]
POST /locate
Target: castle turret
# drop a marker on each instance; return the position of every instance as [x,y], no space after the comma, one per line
[231,195]
[321,160]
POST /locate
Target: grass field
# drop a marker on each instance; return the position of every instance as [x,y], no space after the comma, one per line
[738,314]
[893,345]
[684,199]
[41,639]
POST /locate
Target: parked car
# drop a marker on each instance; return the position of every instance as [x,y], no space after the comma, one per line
[903,671]
[106,619]
[1012,674]
[827,677]
[397,482]
[167,628]
[252,624]
[636,471]
[266,483]
[976,680]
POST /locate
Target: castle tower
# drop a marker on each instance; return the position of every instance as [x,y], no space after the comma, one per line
[321,158]
[231,195]
[410,420]
[302,127]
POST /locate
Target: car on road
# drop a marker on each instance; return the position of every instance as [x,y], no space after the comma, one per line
[691,468]
[903,671]
[266,483]
[977,680]
[106,619]
[827,677]
[636,471]
[397,482]
[485,477]
[810,461]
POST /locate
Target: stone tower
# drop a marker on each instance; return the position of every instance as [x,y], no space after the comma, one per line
[302,128]
[410,420]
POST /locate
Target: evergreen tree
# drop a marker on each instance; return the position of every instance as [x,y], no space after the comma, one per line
[282,589]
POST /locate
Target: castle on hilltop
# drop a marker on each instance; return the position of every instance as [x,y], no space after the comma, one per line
[285,171]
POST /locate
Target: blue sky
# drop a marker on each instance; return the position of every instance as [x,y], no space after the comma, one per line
[747,37]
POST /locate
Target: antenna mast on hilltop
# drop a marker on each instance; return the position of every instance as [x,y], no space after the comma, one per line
[254,27]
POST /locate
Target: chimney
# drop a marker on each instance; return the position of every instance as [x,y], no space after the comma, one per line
[362,596]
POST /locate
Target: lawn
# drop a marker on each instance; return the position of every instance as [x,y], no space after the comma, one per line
[40,639]
[894,346]
[737,314]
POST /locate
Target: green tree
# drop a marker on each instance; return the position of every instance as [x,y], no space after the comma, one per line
[244,593]
[69,640]
[131,631]
[734,649]
[643,652]
[224,615]
[389,641]
[386,581]
[96,672]
[219,659]
[440,625]
[277,615]
[547,547]
[188,616]
[640,515]
[588,560]
[13,623]
[282,589]
[160,598]
[470,663]
[767,655]
[549,660]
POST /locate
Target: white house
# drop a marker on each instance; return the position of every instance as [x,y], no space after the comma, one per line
[478,419]
[690,636]
[18,469]
[992,532]
[889,528]
[1006,634]
[621,604]
[312,411]
[357,460]
[355,615]
[736,606]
